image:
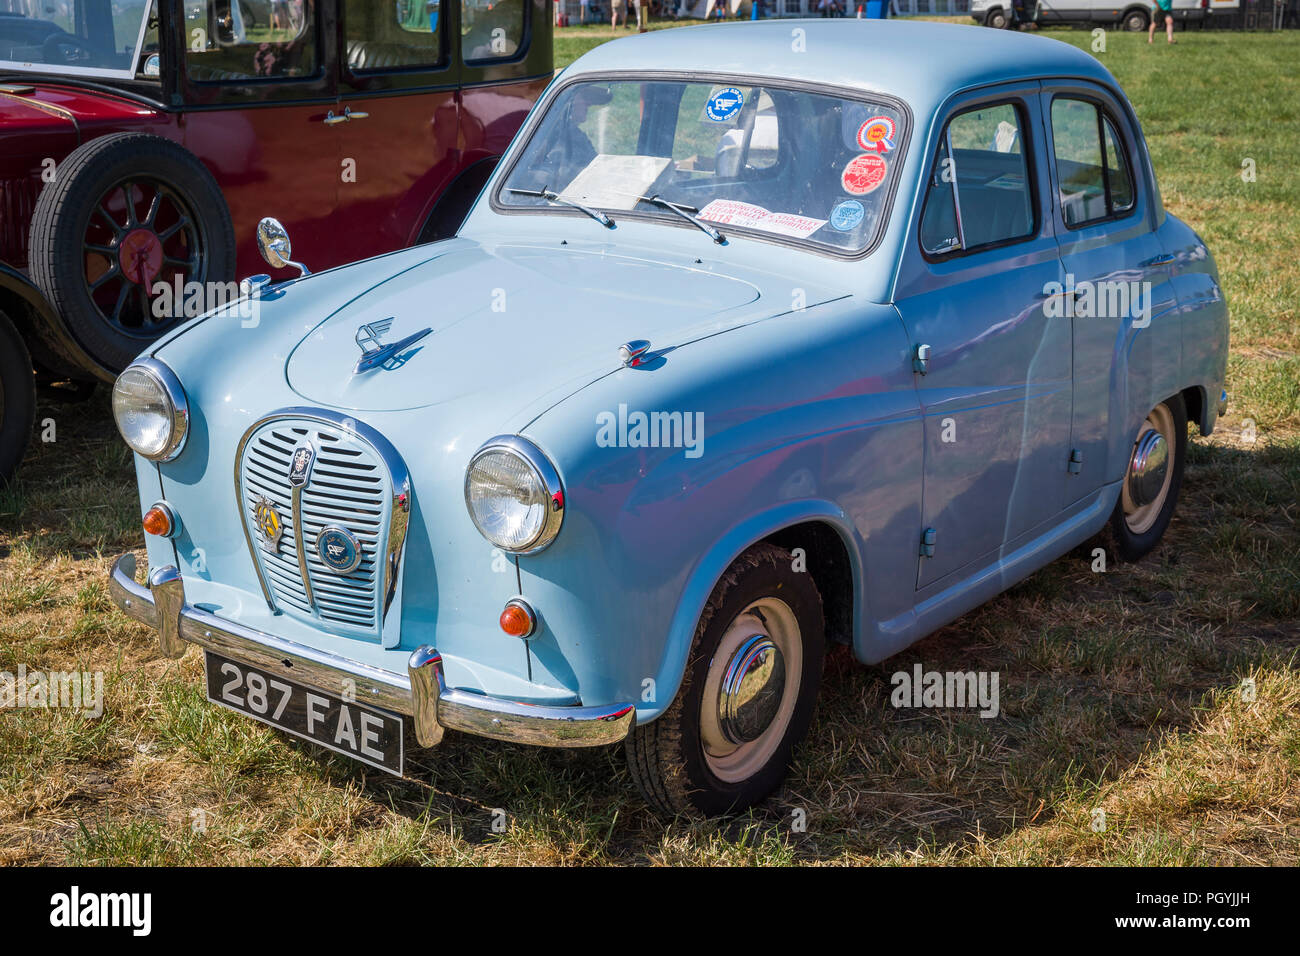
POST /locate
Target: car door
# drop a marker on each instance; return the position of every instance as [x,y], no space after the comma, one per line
[1120,303]
[397,129]
[257,88]
[993,365]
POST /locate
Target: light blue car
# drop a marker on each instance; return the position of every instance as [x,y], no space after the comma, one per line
[761,337]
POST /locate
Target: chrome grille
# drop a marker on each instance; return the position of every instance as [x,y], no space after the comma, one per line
[349,486]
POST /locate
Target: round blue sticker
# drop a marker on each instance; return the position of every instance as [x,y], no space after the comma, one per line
[724,104]
[846,216]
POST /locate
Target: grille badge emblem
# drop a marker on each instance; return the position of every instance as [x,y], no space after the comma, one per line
[374,352]
[300,467]
[268,523]
[339,549]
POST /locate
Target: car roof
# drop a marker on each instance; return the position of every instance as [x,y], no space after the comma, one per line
[917,61]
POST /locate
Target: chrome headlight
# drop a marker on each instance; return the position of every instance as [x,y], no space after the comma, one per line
[150,409]
[514,495]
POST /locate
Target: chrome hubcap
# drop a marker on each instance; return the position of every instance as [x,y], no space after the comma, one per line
[1147,467]
[1147,480]
[751,690]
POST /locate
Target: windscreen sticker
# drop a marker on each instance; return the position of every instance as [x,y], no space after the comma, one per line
[846,216]
[863,174]
[732,212]
[724,104]
[876,135]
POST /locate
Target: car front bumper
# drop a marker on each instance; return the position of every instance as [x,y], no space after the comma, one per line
[421,692]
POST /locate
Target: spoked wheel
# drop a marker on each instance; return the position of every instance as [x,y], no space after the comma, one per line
[1152,478]
[141,232]
[124,213]
[747,696]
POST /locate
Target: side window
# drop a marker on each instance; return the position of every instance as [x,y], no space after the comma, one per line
[1091,169]
[232,40]
[391,34]
[491,30]
[980,192]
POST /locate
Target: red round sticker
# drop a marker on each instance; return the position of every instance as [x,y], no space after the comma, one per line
[863,174]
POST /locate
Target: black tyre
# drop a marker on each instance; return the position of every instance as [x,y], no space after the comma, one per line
[126,212]
[747,696]
[17,399]
[1152,479]
[997,19]
[1135,20]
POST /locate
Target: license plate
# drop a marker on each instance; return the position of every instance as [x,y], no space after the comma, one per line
[363,733]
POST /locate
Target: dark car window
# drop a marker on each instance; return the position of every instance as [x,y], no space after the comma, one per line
[491,31]
[250,39]
[392,34]
[1091,188]
[980,192]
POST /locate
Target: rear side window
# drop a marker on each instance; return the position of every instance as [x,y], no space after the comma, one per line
[228,40]
[980,192]
[1092,171]
[491,30]
[383,35]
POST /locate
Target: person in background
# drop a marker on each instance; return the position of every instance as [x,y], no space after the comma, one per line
[615,8]
[586,11]
[1162,8]
[642,15]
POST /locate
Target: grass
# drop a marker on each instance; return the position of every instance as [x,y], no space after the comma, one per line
[1162,698]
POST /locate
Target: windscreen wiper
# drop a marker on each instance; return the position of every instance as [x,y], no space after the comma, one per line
[687,213]
[554,197]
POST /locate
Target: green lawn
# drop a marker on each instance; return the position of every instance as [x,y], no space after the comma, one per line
[1121,692]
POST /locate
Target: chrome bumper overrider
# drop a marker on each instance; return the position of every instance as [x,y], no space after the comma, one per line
[421,692]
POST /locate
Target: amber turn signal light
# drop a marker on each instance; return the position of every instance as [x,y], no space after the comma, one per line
[518,619]
[160,521]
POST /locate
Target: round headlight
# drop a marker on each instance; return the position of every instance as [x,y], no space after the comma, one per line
[514,496]
[150,409]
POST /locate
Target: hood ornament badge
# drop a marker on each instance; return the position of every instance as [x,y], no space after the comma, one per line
[374,352]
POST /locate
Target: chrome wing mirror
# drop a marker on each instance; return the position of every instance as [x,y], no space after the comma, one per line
[273,243]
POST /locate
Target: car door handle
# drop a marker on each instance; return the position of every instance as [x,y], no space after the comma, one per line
[1165,259]
[333,119]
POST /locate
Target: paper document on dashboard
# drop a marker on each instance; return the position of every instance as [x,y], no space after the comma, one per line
[615,182]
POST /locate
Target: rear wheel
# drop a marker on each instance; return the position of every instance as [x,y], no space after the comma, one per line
[124,213]
[1152,479]
[747,696]
[1135,21]
[17,398]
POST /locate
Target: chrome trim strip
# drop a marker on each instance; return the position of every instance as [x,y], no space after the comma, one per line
[422,692]
[300,545]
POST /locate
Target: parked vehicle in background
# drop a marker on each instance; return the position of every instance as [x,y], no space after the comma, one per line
[1134,15]
[741,353]
[143,139]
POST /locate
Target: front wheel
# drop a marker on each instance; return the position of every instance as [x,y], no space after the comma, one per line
[1152,478]
[747,696]
[997,19]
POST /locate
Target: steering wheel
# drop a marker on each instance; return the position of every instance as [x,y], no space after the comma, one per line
[67,48]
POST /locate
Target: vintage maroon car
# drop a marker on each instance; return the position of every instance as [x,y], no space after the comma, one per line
[142,140]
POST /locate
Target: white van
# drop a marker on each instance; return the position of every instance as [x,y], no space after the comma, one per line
[1131,14]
